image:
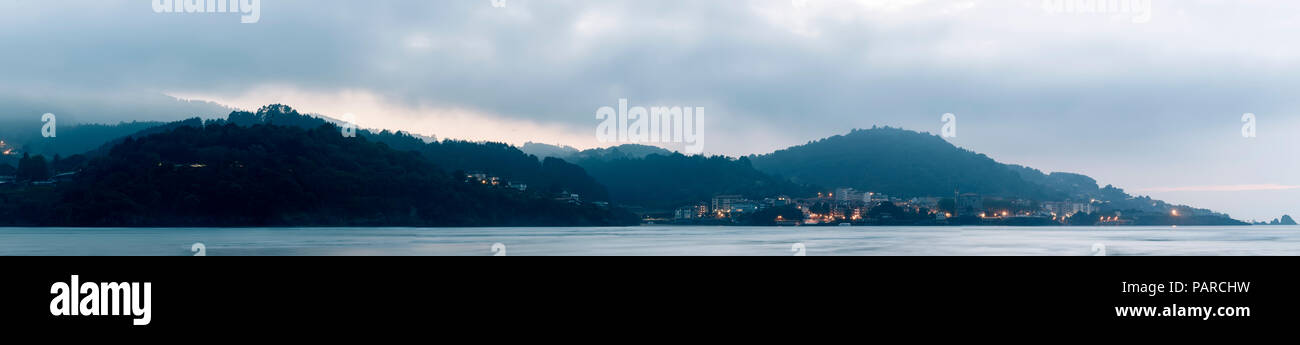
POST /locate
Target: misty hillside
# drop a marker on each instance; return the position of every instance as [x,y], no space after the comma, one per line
[547,150]
[25,137]
[625,151]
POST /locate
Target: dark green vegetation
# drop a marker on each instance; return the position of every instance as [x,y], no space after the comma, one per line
[225,174]
[279,167]
[496,159]
[769,216]
[899,163]
[32,169]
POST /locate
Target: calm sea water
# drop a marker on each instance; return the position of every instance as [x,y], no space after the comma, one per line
[659,240]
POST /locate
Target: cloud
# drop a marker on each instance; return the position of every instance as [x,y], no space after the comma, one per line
[371,110]
[1222,188]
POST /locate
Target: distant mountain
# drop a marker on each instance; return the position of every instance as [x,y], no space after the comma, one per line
[224,174]
[625,151]
[546,150]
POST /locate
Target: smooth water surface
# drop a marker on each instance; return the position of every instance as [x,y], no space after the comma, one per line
[659,240]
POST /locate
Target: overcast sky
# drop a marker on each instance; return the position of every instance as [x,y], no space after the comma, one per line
[1154,107]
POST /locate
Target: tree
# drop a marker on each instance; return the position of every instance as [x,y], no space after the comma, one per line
[769,216]
[32,169]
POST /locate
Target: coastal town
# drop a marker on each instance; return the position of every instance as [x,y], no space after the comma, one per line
[850,207]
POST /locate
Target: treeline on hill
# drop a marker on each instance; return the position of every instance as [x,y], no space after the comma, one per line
[224,174]
[291,185]
[496,159]
[637,175]
[899,163]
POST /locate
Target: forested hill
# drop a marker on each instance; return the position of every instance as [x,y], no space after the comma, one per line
[905,163]
[224,174]
[901,163]
[496,159]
